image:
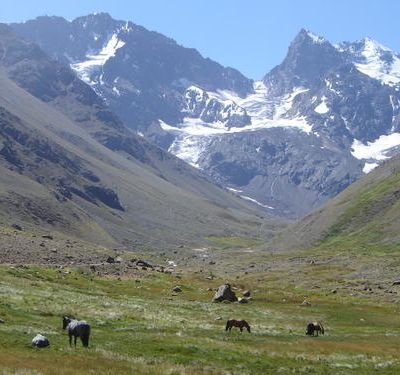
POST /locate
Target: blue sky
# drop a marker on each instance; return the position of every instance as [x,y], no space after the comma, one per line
[252,36]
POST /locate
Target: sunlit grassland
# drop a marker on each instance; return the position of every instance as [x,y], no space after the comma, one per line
[139,326]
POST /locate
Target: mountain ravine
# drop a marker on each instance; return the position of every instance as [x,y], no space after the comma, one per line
[289,142]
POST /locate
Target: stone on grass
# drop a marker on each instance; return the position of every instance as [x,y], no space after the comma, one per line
[177,289]
[40,341]
[225,293]
[118,260]
[110,260]
[144,263]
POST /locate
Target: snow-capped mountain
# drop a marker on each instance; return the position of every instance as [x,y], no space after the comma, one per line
[374,60]
[289,142]
[141,74]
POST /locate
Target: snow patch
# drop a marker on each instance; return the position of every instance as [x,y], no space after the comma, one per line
[86,68]
[234,190]
[368,167]
[116,91]
[255,201]
[322,108]
[192,134]
[185,146]
[286,102]
[197,127]
[376,151]
[264,114]
[376,67]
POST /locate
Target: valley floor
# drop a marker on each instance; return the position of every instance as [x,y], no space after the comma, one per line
[140,326]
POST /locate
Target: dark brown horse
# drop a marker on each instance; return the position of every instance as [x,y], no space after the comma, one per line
[313,327]
[237,323]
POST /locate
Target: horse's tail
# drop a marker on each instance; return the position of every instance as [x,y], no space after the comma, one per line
[85,335]
[227,325]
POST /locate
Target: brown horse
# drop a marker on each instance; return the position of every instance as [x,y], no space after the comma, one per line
[237,323]
[313,327]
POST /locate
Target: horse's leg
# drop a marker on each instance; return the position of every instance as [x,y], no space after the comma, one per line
[75,337]
[241,329]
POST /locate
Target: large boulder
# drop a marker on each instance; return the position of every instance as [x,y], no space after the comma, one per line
[40,341]
[225,293]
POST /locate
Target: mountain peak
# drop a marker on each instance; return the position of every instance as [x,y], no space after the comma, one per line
[100,19]
[372,44]
[309,57]
[98,15]
[305,34]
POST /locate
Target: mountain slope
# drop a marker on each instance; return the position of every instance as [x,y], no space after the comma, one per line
[363,216]
[108,184]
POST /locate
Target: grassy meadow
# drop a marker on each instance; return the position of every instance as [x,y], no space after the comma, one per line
[139,326]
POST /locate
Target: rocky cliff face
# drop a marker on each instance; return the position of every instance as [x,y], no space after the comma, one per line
[310,127]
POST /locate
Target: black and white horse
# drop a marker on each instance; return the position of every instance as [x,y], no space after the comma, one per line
[77,328]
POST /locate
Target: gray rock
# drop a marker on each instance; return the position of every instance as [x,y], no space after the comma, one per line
[246,293]
[110,259]
[48,237]
[144,263]
[177,289]
[118,260]
[225,293]
[40,341]
[243,300]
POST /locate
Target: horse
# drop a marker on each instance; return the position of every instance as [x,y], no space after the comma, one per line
[237,323]
[77,328]
[313,327]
